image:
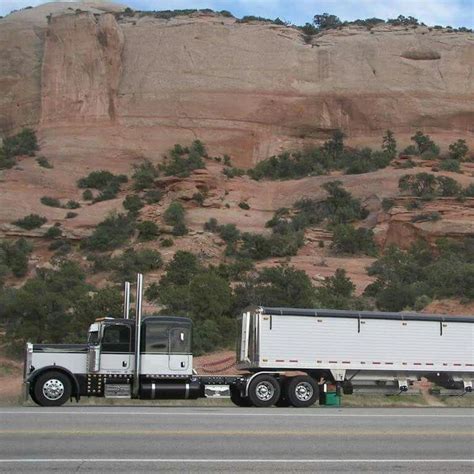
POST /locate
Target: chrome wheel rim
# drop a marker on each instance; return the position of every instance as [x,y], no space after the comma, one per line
[304,391]
[53,389]
[265,391]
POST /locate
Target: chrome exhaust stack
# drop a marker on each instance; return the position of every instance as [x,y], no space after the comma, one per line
[126,301]
[138,322]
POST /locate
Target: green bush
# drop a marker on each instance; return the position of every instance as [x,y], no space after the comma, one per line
[131,262]
[72,205]
[87,195]
[387,204]
[174,216]
[182,161]
[233,172]
[106,182]
[30,222]
[153,196]
[428,217]
[148,230]
[14,258]
[404,276]
[6,162]
[244,205]
[44,163]
[49,201]
[23,143]
[132,203]
[349,240]
[113,232]
[144,175]
[425,144]
[53,232]
[458,150]
[426,185]
[71,215]
[211,225]
[450,165]
[166,242]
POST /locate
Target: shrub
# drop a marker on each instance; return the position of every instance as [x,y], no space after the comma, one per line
[44,163]
[426,185]
[450,165]
[106,182]
[233,172]
[229,233]
[6,162]
[132,203]
[131,262]
[199,198]
[144,175]
[147,230]
[72,205]
[153,196]
[410,150]
[425,144]
[30,222]
[387,204]
[110,233]
[211,225]
[166,242]
[183,161]
[244,205]
[174,214]
[53,232]
[49,201]
[468,191]
[458,150]
[337,291]
[349,240]
[180,229]
[14,258]
[23,143]
[71,215]
[87,195]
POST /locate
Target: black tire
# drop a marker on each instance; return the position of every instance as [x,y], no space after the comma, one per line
[302,391]
[264,391]
[52,389]
[238,399]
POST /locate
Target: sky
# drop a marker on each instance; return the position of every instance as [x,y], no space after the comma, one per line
[454,13]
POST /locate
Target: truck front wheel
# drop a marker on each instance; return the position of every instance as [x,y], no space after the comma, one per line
[52,389]
[302,391]
[264,391]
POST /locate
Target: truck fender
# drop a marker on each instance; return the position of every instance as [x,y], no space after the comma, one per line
[75,384]
[248,381]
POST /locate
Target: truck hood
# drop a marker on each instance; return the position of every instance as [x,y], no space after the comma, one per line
[60,347]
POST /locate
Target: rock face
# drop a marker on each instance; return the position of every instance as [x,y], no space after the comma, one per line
[247,89]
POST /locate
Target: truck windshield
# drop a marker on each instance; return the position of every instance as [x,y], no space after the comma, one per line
[93,337]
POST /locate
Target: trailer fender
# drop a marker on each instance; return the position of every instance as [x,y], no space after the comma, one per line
[75,384]
[248,381]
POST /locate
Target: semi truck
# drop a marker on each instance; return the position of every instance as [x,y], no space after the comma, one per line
[284,355]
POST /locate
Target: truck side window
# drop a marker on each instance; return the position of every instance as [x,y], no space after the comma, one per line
[156,338]
[116,339]
[180,341]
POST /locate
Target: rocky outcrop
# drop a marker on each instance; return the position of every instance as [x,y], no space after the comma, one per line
[245,89]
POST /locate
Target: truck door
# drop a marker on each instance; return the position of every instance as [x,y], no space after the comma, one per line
[116,350]
[179,348]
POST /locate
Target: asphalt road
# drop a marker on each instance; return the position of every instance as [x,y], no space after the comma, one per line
[191,439]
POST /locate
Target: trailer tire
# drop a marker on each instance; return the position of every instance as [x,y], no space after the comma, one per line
[302,391]
[52,389]
[264,391]
[238,399]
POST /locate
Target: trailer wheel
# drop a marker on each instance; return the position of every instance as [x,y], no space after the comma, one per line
[52,389]
[264,391]
[302,391]
[238,399]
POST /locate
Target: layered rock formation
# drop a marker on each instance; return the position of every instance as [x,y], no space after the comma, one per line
[248,89]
